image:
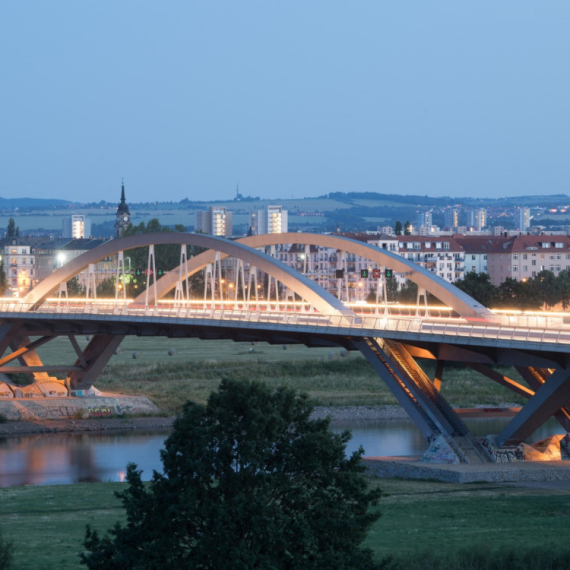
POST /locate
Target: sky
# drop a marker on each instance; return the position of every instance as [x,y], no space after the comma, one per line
[187,99]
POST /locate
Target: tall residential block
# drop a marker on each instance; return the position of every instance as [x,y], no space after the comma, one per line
[77,226]
[524,219]
[216,221]
[424,219]
[270,220]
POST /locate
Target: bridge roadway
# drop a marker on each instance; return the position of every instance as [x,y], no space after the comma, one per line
[538,348]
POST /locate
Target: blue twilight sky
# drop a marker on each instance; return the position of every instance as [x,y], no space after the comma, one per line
[187,98]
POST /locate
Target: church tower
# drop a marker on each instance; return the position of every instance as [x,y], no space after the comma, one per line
[123,214]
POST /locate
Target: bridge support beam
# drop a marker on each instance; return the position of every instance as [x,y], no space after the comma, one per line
[501,379]
[412,388]
[96,354]
[548,399]
[371,350]
[535,378]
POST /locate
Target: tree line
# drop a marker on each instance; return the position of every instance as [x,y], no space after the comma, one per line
[545,290]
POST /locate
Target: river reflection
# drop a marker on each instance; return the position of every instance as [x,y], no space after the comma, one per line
[55,459]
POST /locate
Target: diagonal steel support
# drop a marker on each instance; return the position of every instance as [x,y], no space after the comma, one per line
[413,389]
[78,350]
[20,343]
[501,379]
[535,378]
[32,346]
[395,385]
[96,354]
[548,399]
[438,374]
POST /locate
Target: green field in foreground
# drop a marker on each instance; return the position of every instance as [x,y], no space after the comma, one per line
[331,376]
[47,524]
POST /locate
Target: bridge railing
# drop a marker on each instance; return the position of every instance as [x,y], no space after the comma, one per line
[554,333]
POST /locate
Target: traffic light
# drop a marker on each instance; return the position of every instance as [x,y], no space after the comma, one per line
[139,272]
[160,272]
[364,273]
[388,272]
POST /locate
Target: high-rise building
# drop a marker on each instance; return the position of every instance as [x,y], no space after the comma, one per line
[270,220]
[216,221]
[123,218]
[424,219]
[524,219]
[451,218]
[477,218]
[77,226]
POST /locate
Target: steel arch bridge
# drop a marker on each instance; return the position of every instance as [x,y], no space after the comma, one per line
[391,353]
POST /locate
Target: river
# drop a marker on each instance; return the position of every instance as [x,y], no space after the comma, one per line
[57,459]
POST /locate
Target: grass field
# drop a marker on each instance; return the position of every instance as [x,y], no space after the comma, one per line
[196,367]
[47,524]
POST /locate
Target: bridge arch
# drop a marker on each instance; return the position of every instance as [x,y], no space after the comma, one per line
[447,293]
[322,300]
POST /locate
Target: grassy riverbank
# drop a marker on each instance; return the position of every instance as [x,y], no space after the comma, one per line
[330,376]
[47,524]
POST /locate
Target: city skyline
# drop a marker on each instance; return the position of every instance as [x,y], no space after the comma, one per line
[437,99]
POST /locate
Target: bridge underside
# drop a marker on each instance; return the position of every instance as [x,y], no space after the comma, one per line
[546,375]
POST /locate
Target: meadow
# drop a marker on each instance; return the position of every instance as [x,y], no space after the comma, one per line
[420,520]
[171,371]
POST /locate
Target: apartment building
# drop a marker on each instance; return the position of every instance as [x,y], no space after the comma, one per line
[216,221]
[19,266]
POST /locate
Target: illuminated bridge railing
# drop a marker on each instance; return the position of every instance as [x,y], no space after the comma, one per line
[552,332]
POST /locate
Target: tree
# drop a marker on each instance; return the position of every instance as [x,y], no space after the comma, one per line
[392,288]
[12,230]
[513,294]
[563,283]
[408,229]
[548,288]
[479,286]
[250,481]
[106,289]
[3,279]
[408,293]
[398,228]
[74,289]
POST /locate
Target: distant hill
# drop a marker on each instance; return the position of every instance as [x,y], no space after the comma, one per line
[34,203]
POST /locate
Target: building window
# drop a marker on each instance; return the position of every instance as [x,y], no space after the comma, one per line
[558,244]
[545,245]
[515,268]
[445,245]
[473,268]
[525,268]
[533,262]
[525,256]
[515,256]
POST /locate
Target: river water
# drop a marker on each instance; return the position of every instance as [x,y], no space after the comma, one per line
[56,459]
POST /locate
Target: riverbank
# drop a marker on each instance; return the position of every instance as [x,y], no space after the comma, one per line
[155,423]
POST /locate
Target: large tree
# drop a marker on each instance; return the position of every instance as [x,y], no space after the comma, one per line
[12,230]
[250,481]
[3,279]
[479,286]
